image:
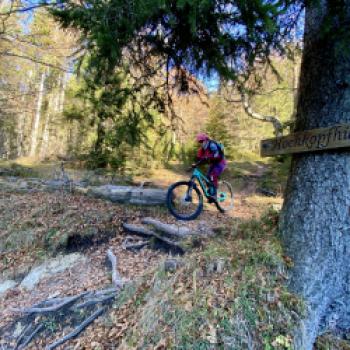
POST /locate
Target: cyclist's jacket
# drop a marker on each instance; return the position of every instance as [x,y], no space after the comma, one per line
[212,153]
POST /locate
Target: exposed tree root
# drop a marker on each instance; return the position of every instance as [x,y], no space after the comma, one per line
[130,244]
[38,329]
[77,330]
[53,308]
[22,335]
[145,232]
[175,238]
[116,279]
[63,311]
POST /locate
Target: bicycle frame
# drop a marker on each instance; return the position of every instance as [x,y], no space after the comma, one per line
[203,181]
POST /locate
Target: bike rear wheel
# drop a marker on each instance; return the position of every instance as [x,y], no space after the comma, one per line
[184,200]
[225,196]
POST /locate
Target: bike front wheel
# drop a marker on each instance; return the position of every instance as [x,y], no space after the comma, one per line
[225,196]
[184,200]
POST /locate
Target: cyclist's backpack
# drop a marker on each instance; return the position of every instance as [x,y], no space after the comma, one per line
[220,147]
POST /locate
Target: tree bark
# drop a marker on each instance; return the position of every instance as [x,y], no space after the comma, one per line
[35,130]
[62,92]
[315,220]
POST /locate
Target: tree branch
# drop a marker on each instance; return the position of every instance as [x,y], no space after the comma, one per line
[28,58]
[277,125]
[26,9]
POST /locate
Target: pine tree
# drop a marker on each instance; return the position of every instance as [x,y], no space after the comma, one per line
[216,126]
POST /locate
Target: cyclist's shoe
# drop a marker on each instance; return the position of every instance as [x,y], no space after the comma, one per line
[212,199]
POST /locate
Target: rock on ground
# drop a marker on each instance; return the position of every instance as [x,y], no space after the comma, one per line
[51,267]
[6,285]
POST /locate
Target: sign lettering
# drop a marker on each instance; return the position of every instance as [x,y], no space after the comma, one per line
[337,136]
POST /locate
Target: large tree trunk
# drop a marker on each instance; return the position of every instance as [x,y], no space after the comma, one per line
[315,221]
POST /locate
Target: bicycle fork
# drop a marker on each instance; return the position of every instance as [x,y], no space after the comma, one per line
[188,197]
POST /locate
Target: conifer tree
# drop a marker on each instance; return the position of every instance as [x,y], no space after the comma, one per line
[217,124]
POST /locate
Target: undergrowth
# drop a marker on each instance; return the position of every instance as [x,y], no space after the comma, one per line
[229,295]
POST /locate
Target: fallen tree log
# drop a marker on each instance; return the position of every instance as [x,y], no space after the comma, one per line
[169,229]
[129,194]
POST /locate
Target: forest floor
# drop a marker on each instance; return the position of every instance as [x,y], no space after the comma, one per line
[30,220]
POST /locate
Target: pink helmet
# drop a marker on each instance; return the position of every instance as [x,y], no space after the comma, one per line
[202,137]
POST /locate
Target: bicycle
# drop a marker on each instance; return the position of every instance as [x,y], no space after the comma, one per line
[185,198]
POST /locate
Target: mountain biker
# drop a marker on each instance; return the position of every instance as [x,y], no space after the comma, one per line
[212,153]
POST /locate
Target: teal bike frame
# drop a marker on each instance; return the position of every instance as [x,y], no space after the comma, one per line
[203,181]
[205,184]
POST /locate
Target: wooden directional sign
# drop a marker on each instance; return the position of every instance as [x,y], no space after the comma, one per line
[308,141]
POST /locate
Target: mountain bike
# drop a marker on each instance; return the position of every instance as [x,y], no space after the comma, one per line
[185,198]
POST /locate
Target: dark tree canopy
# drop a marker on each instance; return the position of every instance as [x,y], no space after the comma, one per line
[201,36]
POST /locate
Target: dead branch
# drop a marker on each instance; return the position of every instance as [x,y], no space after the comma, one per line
[277,125]
[116,279]
[77,330]
[169,229]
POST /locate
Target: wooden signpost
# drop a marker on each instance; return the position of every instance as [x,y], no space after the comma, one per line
[337,136]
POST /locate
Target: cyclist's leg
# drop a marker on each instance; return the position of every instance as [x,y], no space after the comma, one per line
[213,174]
[212,189]
[215,171]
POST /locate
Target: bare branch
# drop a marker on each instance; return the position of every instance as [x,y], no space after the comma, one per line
[32,59]
[277,125]
[27,9]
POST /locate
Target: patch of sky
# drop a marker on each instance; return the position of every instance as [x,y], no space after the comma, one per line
[211,81]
